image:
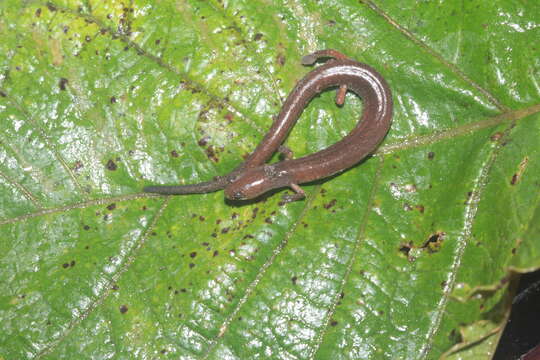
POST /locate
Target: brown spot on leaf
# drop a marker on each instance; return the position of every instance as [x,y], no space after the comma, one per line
[111,165]
[62,83]
[330,204]
[434,242]
[203,141]
[514,179]
[496,137]
[281,59]
[406,248]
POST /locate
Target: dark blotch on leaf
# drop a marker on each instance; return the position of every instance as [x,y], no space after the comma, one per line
[330,204]
[281,59]
[51,6]
[38,12]
[111,206]
[216,253]
[113,99]
[191,265]
[496,136]
[174,153]
[193,254]
[111,165]
[203,141]
[514,180]
[72,263]
[86,227]
[257,37]
[406,248]
[434,243]
[333,323]
[431,155]
[78,165]
[65,265]
[211,154]
[62,83]
[293,279]
[123,309]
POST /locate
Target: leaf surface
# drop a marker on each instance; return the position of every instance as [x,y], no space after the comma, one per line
[395,258]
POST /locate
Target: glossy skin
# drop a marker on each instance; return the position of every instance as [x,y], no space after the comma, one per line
[254,177]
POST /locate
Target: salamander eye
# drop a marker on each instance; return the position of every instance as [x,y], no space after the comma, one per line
[237,195]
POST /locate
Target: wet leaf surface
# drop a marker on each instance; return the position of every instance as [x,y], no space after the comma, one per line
[398,257]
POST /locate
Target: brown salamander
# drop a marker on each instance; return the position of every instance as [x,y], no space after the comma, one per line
[254,177]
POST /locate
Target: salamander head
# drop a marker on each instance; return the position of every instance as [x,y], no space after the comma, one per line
[255,182]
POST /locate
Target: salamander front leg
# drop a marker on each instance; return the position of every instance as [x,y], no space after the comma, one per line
[298,195]
[340,94]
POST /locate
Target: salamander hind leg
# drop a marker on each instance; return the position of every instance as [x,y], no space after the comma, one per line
[298,195]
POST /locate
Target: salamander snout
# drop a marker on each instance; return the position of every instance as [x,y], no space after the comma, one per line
[255,182]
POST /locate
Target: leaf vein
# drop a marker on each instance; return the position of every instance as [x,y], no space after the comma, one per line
[408,34]
[362,228]
[84,314]
[262,271]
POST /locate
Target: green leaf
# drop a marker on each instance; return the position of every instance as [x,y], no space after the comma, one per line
[398,257]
